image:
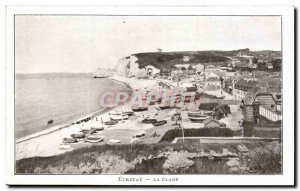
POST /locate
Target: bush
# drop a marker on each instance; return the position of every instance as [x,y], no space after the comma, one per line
[203,132]
[248,129]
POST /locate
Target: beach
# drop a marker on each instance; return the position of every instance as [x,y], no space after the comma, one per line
[47,142]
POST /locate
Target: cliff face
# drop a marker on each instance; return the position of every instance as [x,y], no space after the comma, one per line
[130,67]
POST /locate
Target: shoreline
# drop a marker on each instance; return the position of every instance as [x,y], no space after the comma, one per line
[68,123]
[24,144]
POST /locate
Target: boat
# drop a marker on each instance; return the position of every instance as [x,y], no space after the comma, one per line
[140,134]
[159,123]
[118,117]
[94,139]
[199,119]
[78,135]
[136,108]
[70,140]
[65,147]
[114,141]
[98,128]
[149,121]
[88,131]
[129,113]
[111,122]
[199,113]
[50,121]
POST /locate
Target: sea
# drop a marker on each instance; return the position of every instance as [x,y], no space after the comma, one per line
[63,97]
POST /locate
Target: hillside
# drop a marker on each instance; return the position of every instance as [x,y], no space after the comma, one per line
[166,60]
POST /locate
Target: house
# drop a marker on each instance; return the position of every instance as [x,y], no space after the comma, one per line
[213,81]
[269,65]
[253,66]
[181,66]
[186,58]
[199,68]
[262,105]
[241,86]
[165,73]
[211,123]
[211,68]
[152,71]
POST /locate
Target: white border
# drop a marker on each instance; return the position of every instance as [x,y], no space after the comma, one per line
[287,178]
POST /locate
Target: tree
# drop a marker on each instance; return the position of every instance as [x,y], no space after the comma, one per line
[276,64]
[255,60]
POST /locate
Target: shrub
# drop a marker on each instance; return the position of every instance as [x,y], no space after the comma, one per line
[248,129]
[203,132]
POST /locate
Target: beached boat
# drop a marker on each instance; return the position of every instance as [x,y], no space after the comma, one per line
[98,128]
[137,109]
[140,134]
[159,123]
[118,117]
[94,139]
[65,147]
[129,113]
[78,135]
[199,113]
[50,121]
[114,141]
[149,121]
[199,119]
[70,140]
[111,122]
[88,131]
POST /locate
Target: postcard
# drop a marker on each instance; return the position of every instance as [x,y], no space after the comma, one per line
[194,96]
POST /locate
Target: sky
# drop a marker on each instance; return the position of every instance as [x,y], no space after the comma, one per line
[84,43]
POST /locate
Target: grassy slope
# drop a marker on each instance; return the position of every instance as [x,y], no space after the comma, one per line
[166,60]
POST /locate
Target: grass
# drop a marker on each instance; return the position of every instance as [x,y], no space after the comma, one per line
[117,159]
[170,135]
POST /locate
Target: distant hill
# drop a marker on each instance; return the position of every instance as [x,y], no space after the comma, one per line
[166,60]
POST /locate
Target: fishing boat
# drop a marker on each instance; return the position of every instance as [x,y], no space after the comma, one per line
[118,117]
[94,139]
[65,147]
[159,123]
[140,134]
[88,131]
[114,141]
[50,121]
[149,121]
[199,119]
[137,108]
[111,122]
[78,135]
[98,128]
[129,113]
[199,113]
[70,140]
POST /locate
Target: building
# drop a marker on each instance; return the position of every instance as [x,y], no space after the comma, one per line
[241,86]
[253,66]
[199,68]
[269,65]
[262,105]
[213,81]
[211,123]
[181,66]
[186,58]
[211,68]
